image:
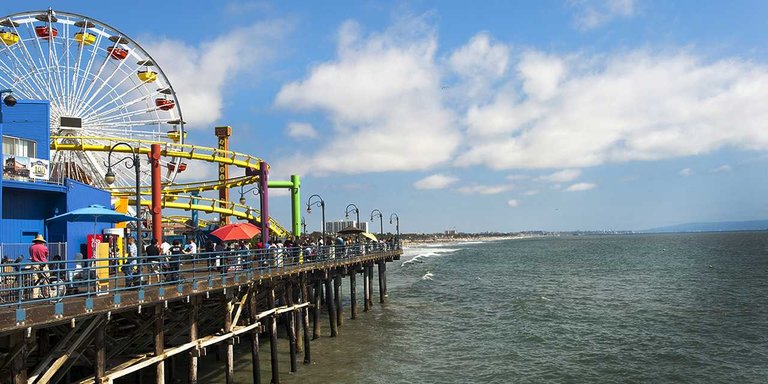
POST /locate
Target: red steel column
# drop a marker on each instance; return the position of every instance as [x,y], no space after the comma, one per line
[157,210]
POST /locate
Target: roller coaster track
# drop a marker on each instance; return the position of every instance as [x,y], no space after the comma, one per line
[187,188]
[176,196]
[208,205]
[183,151]
[186,220]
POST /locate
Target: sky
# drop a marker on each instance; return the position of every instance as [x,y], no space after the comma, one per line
[476,116]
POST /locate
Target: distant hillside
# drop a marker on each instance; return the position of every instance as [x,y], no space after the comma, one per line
[753,225]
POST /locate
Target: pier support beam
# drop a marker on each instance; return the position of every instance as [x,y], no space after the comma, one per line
[19,348]
[353,294]
[318,289]
[159,334]
[101,351]
[382,278]
[254,336]
[290,325]
[305,319]
[193,335]
[273,337]
[337,296]
[330,303]
[366,290]
[230,377]
[370,285]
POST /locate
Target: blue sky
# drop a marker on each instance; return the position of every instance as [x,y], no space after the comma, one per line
[479,116]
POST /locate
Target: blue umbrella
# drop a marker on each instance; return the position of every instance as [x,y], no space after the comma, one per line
[94,213]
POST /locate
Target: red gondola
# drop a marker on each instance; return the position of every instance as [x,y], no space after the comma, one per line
[46,32]
[117,53]
[165,104]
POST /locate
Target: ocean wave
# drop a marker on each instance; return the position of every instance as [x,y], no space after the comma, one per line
[419,255]
[427,276]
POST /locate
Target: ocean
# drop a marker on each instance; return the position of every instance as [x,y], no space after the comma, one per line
[681,308]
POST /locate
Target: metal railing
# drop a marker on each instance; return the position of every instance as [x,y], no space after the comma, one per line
[26,283]
[12,251]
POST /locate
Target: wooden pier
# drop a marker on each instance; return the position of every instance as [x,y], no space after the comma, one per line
[139,335]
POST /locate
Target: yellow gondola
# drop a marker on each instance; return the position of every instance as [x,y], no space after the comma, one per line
[85,38]
[9,38]
[175,136]
[147,76]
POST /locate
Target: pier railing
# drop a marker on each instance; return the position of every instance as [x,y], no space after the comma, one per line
[25,283]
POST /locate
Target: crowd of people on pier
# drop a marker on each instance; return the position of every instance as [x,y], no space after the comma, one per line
[163,262]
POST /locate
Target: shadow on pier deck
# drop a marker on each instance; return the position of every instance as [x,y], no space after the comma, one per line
[114,327]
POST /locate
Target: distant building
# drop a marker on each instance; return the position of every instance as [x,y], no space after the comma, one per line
[338,225]
[450,232]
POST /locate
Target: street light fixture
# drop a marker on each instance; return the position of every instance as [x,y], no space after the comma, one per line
[397,225]
[319,203]
[376,213]
[357,212]
[8,100]
[256,191]
[109,178]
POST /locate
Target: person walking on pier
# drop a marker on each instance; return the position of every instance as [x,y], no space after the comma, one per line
[38,254]
[153,260]
[175,261]
[130,265]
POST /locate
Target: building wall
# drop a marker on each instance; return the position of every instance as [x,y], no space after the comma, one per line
[29,119]
[81,195]
[25,211]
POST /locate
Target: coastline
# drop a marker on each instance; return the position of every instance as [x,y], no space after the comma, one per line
[465,239]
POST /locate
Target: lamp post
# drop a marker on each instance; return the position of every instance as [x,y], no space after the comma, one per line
[109,178]
[357,212]
[319,203]
[397,226]
[376,213]
[303,225]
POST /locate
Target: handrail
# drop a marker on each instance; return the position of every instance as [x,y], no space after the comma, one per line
[24,284]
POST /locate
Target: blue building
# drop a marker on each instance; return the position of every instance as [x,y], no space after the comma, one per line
[28,195]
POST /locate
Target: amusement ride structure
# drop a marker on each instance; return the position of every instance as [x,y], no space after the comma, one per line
[104,89]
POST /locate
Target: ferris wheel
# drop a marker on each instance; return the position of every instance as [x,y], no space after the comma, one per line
[101,85]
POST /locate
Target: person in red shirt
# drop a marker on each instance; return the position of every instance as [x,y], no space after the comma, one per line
[38,254]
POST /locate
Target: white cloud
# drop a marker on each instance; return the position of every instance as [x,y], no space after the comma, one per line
[437,181]
[591,14]
[382,94]
[618,108]
[301,130]
[531,192]
[199,74]
[721,169]
[517,177]
[563,176]
[512,203]
[478,64]
[483,189]
[685,172]
[580,187]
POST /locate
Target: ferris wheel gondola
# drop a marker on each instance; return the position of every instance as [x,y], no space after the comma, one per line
[101,85]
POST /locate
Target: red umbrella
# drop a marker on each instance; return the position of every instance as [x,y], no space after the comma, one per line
[237,231]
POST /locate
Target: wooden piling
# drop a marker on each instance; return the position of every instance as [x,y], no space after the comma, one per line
[366,290]
[305,319]
[18,366]
[337,297]
[330,303]
[230,347]
[353,294]
[159,334]
[193,335]
[254,336]
[101,352]
[273,337]
[316,310]
[290,326]
[382,272]
[370,285]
